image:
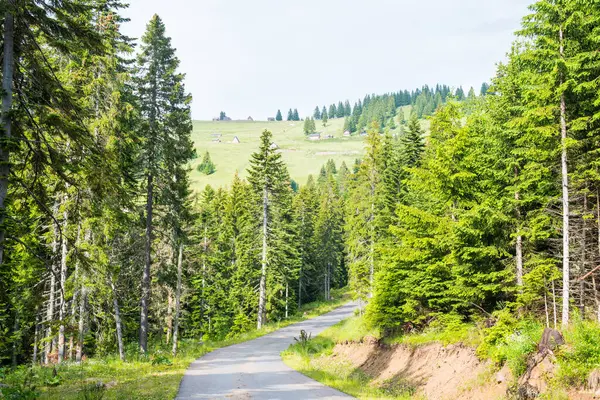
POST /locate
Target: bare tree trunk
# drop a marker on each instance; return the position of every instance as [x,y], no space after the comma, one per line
[52,290]
[63,280]
[262,291]
[177,298]
[546,306]
[286,299]
[81,327]
[596,299]
[36,337]
[583,255]
[565,200]
[519,244]
[146,275]
[300,288]
[7,97]
[118,324]
[372,250]
[75,296]
[554,305]
[16,340]
[169,315]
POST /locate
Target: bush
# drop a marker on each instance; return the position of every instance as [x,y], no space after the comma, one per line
[582,355]
[510,341]
[206,166]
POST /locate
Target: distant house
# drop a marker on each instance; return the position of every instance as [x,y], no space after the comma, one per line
[347,133]
[235,140]
[329,137]
[273,146]
[270,119]
[363,133]
[216,140]
[250,119]
[314,136]
[216,135]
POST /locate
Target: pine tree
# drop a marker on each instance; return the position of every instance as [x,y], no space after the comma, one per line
[332,111]
[295,116]
[290,115]
[278,116]
[268,178]
[317,113]
[412,143]
[167,127]
[324,117]
[207,167]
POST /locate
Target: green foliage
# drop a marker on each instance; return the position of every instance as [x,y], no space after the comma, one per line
[206,167]
[577,360]
[278,116]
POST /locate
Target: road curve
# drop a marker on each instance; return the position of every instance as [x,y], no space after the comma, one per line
[254,370]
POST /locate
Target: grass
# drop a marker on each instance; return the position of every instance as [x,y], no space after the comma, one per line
[153,376]
[314,359]
[302,157]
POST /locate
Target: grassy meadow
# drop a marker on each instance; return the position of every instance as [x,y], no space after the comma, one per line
[302,156]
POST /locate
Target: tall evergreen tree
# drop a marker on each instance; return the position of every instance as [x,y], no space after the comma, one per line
[166,129]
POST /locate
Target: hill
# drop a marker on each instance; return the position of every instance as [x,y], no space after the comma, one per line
[302,156]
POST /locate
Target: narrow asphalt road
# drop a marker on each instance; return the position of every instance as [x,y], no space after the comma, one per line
[254,370]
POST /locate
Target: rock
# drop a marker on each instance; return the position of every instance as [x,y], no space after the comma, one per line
[527,392]
[551,339]
[500,377]
[593,382]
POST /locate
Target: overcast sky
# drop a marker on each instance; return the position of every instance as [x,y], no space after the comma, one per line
[251,57]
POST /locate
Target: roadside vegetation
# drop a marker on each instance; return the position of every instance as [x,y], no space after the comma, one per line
[509,343]
[152,376]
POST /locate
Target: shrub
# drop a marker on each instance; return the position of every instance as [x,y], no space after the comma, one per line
[583,354]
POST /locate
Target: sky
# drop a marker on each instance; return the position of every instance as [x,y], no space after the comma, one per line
[252,57]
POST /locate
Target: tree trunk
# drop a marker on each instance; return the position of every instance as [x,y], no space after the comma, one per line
[286,299]
[52,290]
[63,280]
[7,96]
[262,291]
[519,244]
[169,315]
[372,249]
[177,298]
[565,200]
[81,327]
[555,313]
[16,340]
[36,337]
[146,275]
[118,324]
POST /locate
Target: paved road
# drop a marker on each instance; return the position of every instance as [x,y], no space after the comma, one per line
[254,370]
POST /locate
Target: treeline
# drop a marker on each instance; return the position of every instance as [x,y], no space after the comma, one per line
[94,192]
[498,215]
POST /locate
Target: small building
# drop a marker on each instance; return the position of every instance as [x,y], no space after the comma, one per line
[216,135]
[250,119]
[363,133]
[235,140]
[216,140]
[329,137]
[347,133]
[314,136]
[273,146]
[270,119]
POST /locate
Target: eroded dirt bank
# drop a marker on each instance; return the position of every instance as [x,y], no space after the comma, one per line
[434,371]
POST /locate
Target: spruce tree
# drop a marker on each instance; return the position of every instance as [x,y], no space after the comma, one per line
[167,125]
[290,115]
[295,115]
[278,116]
[412,143]
[268,178]
[317,113]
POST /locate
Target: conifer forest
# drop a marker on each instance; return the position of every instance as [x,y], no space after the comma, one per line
[492,213]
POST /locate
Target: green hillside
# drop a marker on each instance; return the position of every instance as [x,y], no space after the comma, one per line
[302,156]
